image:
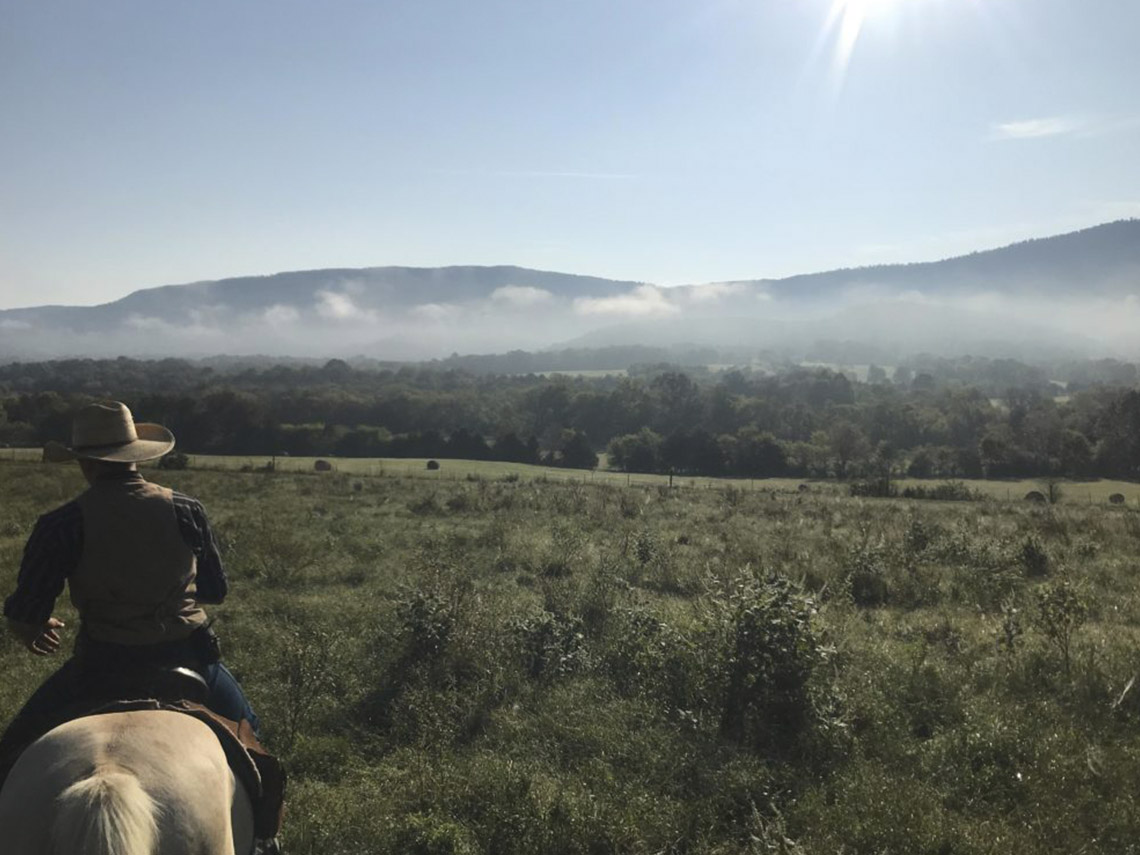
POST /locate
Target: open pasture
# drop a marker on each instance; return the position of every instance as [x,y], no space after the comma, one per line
[1093,491]
[532,666]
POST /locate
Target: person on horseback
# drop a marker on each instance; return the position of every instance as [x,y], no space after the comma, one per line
[139,560]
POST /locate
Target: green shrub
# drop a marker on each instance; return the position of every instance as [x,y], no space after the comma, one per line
[1062,609]
[866,575]
[1033,557]
[879,488]
[947,491]
[552,646]
[772,653]
[420,834]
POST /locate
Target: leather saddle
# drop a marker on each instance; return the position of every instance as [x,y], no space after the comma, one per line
[167,684]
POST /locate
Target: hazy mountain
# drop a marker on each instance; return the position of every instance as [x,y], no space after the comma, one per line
[1102,260]
[1078,292]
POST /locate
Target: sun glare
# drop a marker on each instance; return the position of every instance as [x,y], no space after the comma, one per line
[849,16]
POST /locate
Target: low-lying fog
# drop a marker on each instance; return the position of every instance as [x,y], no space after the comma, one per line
[346,319]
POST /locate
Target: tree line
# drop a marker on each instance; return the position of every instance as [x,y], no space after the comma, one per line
[796,421]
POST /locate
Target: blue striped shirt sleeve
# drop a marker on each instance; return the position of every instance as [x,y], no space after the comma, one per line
[52,553]
[195,527]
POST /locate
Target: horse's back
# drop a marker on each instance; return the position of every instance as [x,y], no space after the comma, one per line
[158,777]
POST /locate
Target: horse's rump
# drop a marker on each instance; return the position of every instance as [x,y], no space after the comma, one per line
[148,782]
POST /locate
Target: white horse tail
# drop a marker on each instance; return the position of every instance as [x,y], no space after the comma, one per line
[107,814]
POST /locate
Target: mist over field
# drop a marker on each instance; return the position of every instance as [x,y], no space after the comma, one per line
[1076,294]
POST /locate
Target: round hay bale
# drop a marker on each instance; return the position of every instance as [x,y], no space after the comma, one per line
[433,464]
[323,466]
[1116,498]
[1036,497]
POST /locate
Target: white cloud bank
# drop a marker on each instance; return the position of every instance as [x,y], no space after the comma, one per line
[335,306]
[521,295]
[645,301]
[200,326]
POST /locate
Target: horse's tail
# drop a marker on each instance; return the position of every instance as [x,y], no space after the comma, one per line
[107,814]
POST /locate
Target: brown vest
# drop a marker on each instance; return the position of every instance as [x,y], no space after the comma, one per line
[135,581]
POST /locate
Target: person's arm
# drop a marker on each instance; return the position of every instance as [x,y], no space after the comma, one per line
[51,554]
[211,581]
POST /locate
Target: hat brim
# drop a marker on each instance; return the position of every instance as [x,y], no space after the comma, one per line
[153,442]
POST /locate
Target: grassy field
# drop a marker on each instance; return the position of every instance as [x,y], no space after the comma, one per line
[1094,491]
[532,666]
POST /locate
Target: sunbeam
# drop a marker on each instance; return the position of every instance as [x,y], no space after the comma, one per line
[848,18]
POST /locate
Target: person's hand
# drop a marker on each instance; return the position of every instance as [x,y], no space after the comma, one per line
[42,640]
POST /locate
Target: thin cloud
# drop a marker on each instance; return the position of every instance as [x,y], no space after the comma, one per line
[436,312]
[281,315]
[197,328]
[715,291]
[540,173]
[556,174]
[1030,129]
[521,295]
[644,301]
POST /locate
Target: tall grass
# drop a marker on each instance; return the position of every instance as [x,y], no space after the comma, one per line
[520,666]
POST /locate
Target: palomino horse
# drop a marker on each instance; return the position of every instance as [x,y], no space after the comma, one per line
[148,782]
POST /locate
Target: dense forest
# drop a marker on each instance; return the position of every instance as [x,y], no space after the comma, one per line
[935,418]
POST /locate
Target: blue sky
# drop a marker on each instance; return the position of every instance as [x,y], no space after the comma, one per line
[670,141]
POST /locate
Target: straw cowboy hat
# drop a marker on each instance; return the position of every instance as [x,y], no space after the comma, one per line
[107,431]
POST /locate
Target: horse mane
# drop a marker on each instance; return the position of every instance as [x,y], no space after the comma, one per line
[108,813]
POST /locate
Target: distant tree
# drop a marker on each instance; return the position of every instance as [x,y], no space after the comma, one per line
[465,445]
[921,464]
[635,452]
[677,398]
[847,443]
[533,454]
[923,382]
[1076,454]
[576,452]
[876,375]
[549,406]
[1001,456]
[705,455]
[758,454]
[512,449]
[336,370]
[1118,452]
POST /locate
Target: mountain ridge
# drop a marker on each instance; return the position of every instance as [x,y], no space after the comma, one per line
[416,312]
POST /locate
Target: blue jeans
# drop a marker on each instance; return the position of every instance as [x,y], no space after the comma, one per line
[226,697]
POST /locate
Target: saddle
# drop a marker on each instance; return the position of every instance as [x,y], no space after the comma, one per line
[183,690]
